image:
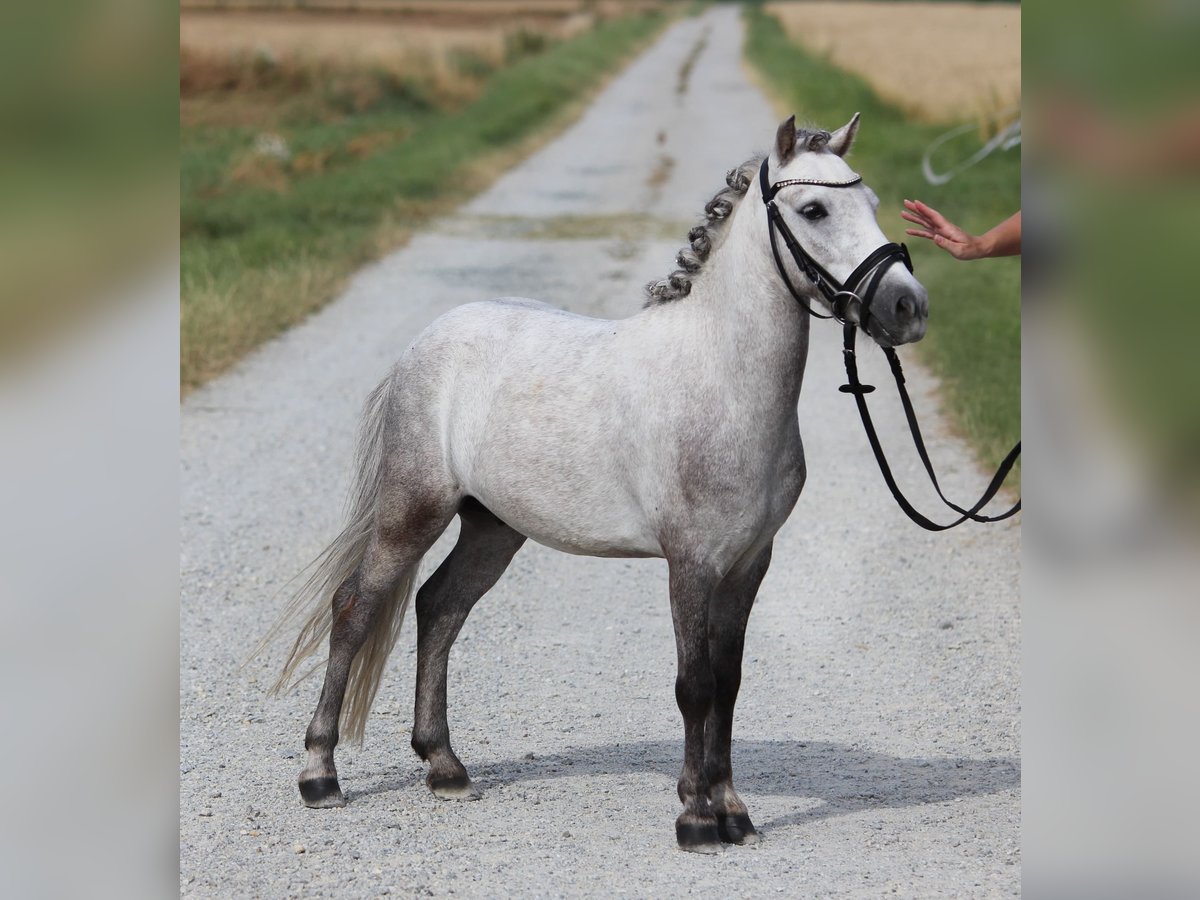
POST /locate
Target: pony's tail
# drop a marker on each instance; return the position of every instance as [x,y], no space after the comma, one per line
[313,602]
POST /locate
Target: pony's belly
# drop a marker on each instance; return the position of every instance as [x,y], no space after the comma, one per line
[580,525]
[620,550]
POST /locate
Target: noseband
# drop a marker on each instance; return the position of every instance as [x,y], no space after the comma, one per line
[839,294]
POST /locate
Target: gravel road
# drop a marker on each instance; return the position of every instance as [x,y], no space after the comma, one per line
[878,733]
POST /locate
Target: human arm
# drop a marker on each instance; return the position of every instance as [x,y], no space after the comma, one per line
[1003,240]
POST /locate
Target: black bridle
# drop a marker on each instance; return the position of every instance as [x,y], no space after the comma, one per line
[839,296]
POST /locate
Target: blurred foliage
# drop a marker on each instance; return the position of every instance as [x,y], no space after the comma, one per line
[87,135]
[1115,108]
[1113,111]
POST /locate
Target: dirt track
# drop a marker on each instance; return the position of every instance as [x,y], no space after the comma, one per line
[878,732]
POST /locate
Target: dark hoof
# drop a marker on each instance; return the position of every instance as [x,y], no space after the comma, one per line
[321,793]
[453,787]
[737,829]
[697,838]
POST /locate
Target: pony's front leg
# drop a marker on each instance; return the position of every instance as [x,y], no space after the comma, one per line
[727,619]
[692,588]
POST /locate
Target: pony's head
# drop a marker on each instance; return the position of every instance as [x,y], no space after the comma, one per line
[832,216]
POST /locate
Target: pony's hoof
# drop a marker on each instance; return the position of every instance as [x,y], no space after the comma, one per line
[737,829]
[697,837]
[321,793]
[453,787]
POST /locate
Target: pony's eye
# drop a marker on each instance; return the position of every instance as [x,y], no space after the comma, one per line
[813,211]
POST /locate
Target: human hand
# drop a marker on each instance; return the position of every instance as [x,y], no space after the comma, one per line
[943,232]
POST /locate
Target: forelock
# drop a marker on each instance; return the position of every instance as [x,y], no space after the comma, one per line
[814,139]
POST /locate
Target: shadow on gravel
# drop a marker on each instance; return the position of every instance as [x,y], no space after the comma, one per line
[845,778]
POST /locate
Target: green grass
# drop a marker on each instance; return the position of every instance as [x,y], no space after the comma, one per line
[266,245]
[974,338]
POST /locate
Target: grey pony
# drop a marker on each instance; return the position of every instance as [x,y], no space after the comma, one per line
[671,434]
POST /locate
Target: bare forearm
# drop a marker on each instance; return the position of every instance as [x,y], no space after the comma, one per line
[1004,239]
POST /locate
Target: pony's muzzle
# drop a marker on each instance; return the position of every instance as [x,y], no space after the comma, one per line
[908,312]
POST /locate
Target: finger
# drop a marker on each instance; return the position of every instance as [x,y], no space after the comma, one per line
[935,217]
[913,217]
[910,209]
[923,234]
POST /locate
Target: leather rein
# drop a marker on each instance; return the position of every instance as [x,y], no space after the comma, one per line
[840,295]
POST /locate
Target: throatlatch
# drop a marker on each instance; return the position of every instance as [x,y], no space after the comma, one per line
[839,295]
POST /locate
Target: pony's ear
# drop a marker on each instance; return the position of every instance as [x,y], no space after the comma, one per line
[841,140]
[785,140]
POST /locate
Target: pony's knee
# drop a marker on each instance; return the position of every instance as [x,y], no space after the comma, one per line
[694,692]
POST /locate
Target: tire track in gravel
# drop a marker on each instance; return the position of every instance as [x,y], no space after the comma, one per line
[878,731]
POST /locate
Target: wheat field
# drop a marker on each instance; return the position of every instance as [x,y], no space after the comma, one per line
[360,39]
[449,47]
[936,61]
[432,11]
[230,50]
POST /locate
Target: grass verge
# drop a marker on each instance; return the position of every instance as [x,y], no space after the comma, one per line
[974,338]
[271,223]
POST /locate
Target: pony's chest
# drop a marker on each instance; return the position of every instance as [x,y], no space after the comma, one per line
[751,483]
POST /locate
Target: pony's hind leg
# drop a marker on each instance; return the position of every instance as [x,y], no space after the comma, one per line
[728,614]
[368,603]
[484,549]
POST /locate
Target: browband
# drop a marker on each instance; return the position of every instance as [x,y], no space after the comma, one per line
[770,190]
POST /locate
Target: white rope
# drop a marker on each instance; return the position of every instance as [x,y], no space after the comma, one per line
[1006,139]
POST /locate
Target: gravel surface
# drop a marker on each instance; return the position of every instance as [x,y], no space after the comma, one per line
[878,732]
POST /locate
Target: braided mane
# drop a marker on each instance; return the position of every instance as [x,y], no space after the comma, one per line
[705,236]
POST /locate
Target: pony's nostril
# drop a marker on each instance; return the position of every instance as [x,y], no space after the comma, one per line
[905,308]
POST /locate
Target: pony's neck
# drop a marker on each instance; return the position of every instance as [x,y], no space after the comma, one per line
[741,295]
